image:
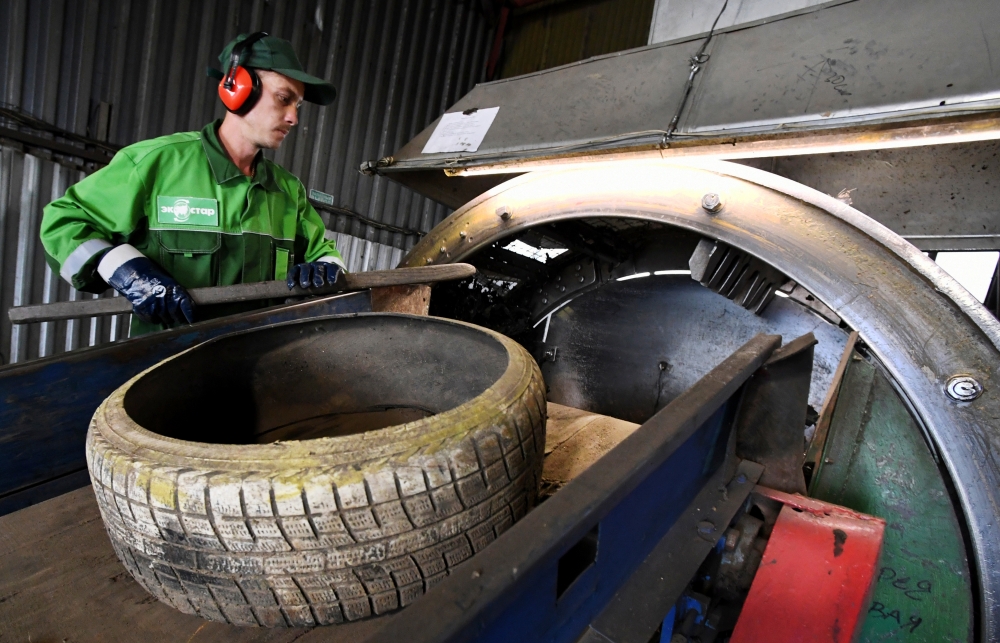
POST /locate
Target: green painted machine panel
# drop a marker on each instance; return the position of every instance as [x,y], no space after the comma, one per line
[876,461]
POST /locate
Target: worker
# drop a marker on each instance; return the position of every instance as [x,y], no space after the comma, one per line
[199,209]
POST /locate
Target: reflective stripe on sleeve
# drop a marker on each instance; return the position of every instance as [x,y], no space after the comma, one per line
[79,257]
[114,260]
[332,259]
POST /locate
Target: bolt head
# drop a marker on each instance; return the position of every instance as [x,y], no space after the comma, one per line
[706,527]
[504,212]
[462,234]
[443,250]
[963,388]
[428,260]
[712,202]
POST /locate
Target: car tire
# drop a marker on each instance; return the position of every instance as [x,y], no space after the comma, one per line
[300,533]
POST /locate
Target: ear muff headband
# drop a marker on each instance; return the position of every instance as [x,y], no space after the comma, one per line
[240,88]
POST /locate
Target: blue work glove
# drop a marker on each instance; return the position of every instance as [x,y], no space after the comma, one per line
[317,273]
[156,297]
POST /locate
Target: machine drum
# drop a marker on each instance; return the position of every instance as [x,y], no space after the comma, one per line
[318,471]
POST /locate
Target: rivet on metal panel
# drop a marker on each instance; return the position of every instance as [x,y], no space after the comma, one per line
[462,234]
[428,260]
[443,250]
[504,213]
[706,528]
[963,388]
[712,202]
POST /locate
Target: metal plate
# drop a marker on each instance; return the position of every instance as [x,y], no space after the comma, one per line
[630,347]
[857,63]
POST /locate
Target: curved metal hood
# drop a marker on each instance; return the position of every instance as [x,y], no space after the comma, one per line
[860,74]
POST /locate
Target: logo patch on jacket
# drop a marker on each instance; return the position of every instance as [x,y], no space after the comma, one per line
[187,210]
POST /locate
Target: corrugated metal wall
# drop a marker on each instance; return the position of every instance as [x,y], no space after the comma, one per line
[550,34]
[397,64]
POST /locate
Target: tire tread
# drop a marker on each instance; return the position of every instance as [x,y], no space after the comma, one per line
[299,550]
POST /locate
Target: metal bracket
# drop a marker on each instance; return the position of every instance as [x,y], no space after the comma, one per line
[802,296]
[574,279]
[735,274]
[637,609]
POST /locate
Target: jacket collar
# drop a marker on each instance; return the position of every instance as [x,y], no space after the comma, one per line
[223,168]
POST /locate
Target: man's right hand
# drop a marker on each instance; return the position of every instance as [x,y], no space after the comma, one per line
[156,297]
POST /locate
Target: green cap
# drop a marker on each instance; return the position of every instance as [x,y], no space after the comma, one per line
[276,54]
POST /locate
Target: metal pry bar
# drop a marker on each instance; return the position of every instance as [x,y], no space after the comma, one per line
[248,292]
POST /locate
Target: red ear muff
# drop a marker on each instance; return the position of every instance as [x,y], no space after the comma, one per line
[240,88]
[240,94]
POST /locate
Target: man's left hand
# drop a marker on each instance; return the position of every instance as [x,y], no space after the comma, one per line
[314,274]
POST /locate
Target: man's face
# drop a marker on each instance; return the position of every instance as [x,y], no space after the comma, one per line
[277,111]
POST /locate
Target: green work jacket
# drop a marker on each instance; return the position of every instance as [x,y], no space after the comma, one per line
[183,203]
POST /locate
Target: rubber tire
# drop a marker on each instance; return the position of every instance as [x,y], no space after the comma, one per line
[318,531]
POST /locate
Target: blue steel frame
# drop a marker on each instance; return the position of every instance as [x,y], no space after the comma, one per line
[46,405]
[630,498]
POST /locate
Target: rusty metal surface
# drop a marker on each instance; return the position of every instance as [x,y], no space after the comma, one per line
[814,452]
[413,300]
[772,419]
[917,320]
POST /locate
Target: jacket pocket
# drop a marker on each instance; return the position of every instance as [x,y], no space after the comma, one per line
[283,251]
[190,256]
